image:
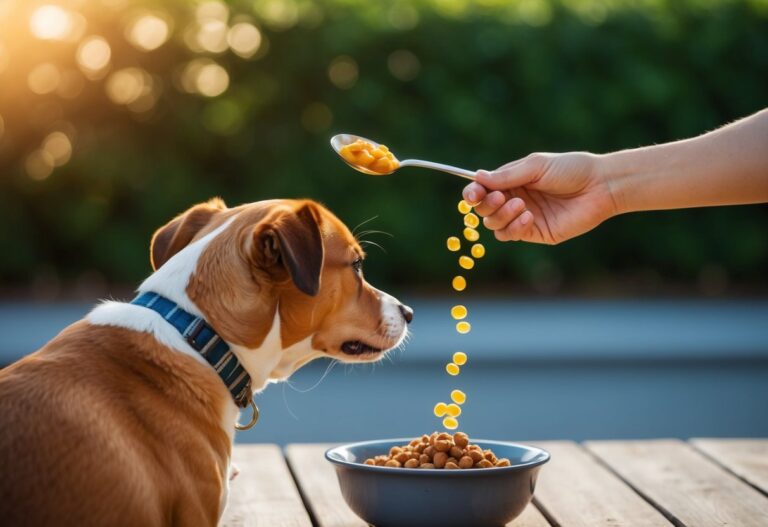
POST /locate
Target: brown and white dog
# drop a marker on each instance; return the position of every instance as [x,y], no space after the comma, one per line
[119,421]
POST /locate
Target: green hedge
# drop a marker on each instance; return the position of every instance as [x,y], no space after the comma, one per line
[474,84]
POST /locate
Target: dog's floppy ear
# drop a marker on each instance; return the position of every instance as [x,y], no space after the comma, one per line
[292,244]
[177,233]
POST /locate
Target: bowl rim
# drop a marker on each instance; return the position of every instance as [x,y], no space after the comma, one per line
[433,471]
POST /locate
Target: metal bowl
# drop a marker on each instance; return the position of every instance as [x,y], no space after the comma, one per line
[403,497]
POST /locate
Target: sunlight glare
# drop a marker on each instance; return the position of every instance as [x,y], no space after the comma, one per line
[51,22]
[244,39]
[93,54]
[58,145]
[44,78]
[148,32]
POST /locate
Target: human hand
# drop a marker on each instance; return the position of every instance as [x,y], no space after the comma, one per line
[543,198]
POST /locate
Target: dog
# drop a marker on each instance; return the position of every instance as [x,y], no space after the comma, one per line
[127,417]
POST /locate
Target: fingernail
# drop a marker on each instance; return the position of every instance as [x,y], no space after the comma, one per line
[471,196]
[525,217]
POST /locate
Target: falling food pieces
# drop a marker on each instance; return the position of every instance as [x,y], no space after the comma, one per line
[459,283]
[458,312]
[478,250]
[463,327]
[460,358]
[452,369]
[466,262]
[458,397]
[453,244]
[471,234]
[471,220]
[464,207]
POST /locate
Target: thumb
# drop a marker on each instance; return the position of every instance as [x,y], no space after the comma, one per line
[516,174]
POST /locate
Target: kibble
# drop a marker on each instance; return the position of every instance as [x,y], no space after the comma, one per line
[450,423]
[464,207]
[459,283]
[440,409]
[458,312]
[452,369]
[439,451]
[453,410]
[460,358]
[463,327]
[471,234]
[453,243]
[472,221]
[466,262]
[477,251]
[457,396]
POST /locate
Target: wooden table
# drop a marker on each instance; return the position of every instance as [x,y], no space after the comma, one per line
[657,482]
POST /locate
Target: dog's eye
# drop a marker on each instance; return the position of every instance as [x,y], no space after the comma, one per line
[357,265]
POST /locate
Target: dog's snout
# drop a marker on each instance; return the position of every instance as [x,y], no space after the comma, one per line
[407,313]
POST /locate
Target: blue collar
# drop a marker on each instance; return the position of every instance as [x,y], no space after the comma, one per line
[201,336]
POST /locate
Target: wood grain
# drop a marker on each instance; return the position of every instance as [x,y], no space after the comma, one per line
[576,490]
[263,493]
[319,486]
[747,458]
[690,488]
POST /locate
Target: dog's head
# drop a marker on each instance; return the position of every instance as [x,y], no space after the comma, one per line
[280,273]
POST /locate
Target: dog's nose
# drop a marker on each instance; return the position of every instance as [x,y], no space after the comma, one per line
[407,313]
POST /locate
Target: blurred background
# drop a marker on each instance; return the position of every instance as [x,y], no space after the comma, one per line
[116,115]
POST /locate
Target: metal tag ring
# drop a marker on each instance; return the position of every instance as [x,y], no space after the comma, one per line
[254,418]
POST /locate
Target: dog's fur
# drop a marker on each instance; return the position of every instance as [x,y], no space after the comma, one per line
[118,421]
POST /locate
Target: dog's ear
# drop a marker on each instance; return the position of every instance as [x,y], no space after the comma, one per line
[292,246]
[177,233]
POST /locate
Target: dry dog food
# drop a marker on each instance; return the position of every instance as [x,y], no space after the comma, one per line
[439,450]
[375,158]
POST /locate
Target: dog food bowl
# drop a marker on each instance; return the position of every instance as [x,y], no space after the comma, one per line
[410,497]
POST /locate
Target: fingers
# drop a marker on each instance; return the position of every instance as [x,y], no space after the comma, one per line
[518,230]
[515,174]
[492,202]
[474,192]
[504,214]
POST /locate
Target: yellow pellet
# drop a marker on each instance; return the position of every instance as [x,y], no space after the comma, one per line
[458,397]
[460,358]
[471,220]
[453,410]
[453,244]
[464,207]
[478,251]
[466,262]
[459,283]
[450,423]
[452,369]
[471,234]
[463,327]
[441,409]
[458,312]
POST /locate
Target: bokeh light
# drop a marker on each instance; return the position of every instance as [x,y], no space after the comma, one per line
[39,164]
[208,11]
[148,31]
[316,118]
[212,36]
[277,14]
[205,77]
[244,39]
[403,65]
[343,72]
[51,22]
[127,85]
[59,146]
[4,57]
[44,78]
[93,55]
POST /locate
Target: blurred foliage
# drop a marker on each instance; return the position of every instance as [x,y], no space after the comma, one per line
[474,84]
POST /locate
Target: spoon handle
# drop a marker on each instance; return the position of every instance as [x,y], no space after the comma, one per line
[467,174]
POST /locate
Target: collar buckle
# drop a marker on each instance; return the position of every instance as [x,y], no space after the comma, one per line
[193,332]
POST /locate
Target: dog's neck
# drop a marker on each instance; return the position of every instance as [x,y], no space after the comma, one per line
[270,362]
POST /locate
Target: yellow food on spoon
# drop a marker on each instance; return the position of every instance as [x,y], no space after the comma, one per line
[375,158]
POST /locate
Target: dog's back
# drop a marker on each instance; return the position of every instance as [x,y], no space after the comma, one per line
[92,434]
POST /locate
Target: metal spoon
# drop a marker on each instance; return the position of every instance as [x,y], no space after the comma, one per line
[339,141]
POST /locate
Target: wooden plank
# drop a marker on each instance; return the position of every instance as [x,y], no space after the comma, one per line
[576,490]
[690,489]
[320,488]
[747,458]
[317,479]
[263,493]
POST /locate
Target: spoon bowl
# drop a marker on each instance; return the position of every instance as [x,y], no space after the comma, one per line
[339,141]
